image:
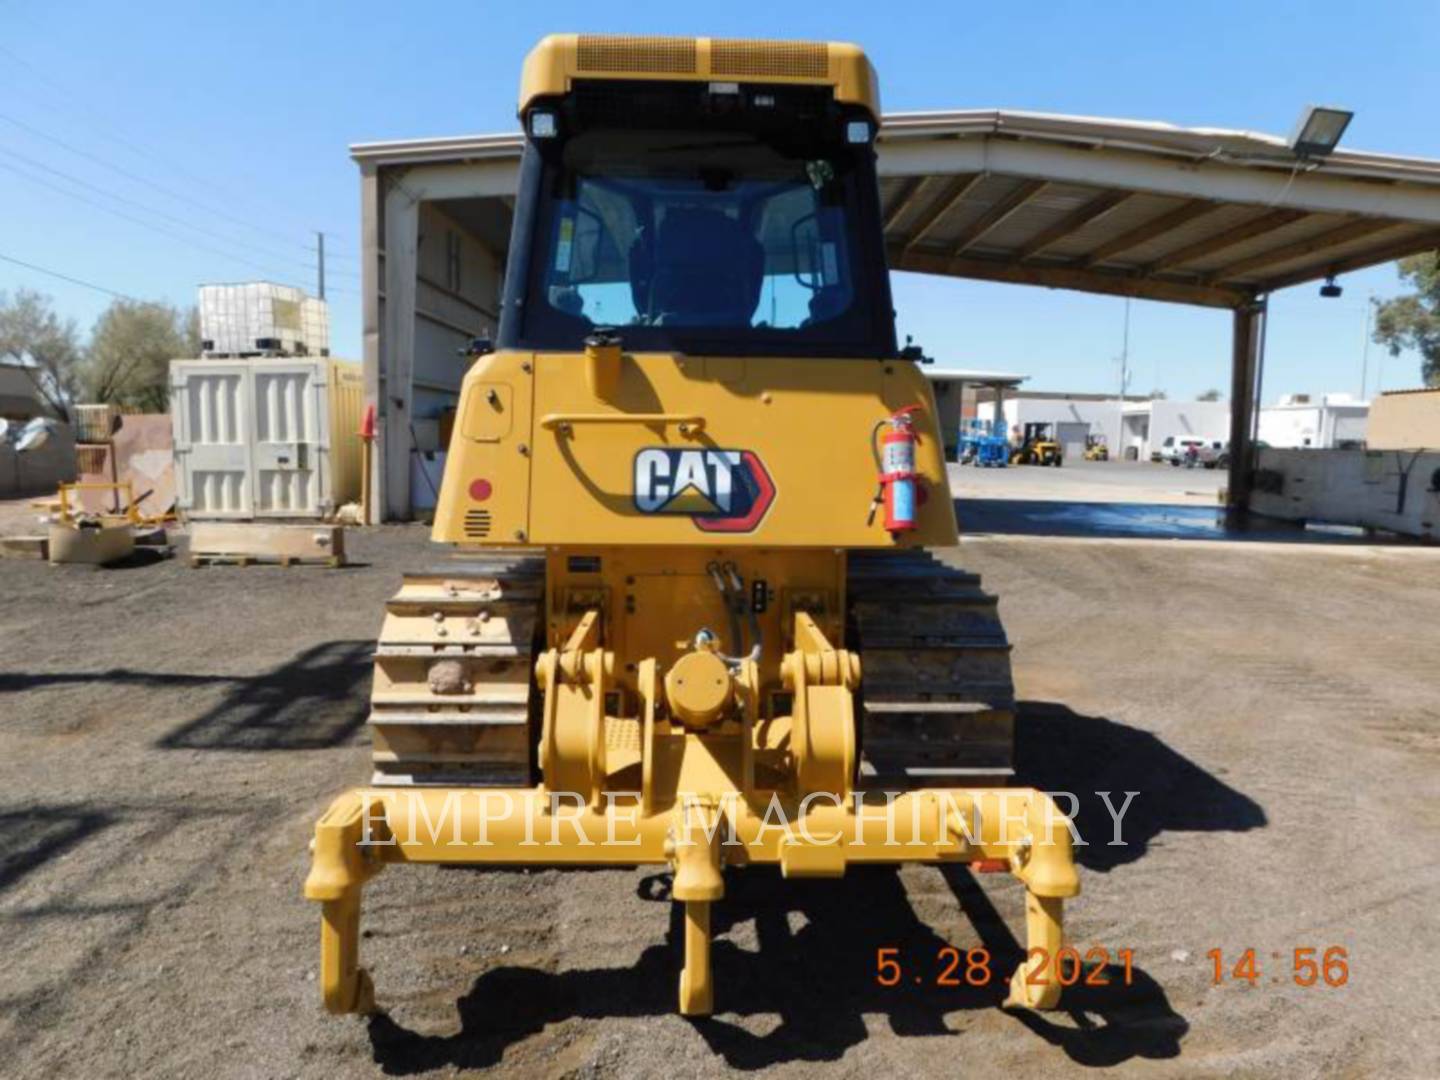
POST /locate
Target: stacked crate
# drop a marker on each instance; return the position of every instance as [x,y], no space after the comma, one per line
[262,319]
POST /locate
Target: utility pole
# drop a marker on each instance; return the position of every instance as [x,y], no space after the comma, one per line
[1124,382]
[320,265]
[1365,346]
[1125,354]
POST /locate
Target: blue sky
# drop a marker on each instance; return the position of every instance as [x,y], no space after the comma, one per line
[226,126]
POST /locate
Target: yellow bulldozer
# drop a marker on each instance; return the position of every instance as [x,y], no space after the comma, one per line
[696,625]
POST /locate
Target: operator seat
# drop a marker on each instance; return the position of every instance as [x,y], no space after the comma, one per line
[701,269]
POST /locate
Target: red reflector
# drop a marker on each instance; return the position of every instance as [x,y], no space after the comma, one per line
[989,866]
[480,490]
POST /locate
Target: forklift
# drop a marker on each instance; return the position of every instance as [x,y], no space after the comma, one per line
[1038,446]
[1096,448]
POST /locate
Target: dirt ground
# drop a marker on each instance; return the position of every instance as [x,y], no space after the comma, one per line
[168,736]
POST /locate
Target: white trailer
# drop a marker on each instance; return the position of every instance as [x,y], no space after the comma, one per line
[1336,420]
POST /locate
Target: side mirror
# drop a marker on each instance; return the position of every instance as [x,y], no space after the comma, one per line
[478,346]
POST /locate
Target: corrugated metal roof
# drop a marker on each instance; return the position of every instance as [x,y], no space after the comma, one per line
[1193,215]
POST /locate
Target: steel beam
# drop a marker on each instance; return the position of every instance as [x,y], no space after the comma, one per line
[954,192]
[1096,208]
[1158,226]
[1259,226]
[902,200]
[998,213]
[1411,245]
[1244,350]
[1350,231]
[1109,282]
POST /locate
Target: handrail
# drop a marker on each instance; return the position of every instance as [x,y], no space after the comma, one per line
[563,422]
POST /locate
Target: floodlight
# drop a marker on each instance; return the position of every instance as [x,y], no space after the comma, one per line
[1319,131]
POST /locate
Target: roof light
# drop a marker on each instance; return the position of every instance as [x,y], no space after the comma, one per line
[857,131]
[542,125]
[1319,131]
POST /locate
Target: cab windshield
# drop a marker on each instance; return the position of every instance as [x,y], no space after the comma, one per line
[696,239]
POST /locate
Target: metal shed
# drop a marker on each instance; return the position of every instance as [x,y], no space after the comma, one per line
[1188,215]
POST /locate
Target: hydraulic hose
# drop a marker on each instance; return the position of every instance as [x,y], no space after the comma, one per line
[731,586]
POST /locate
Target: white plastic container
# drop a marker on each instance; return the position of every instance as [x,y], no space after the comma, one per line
[260,317]
[266,437]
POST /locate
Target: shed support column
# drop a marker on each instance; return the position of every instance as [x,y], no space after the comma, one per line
[1245,349]
[402,231]
[370,335]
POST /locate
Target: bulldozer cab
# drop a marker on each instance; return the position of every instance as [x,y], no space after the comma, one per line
[690,220]
[696,299]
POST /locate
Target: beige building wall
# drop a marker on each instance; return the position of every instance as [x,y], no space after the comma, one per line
[1405,420]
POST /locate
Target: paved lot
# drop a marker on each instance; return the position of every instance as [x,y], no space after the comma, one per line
[1091,482]
[168,735]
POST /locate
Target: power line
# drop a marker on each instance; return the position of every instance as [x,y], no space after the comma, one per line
[268,270]
[137,178]
[65,277]
[106,129]
[182,222]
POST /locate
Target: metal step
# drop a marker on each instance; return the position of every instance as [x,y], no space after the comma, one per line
[937,697]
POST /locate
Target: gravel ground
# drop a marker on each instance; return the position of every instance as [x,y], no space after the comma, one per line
[168,735]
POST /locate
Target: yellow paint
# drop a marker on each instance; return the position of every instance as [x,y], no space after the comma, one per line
[564,470]
[560,60]
[490,443]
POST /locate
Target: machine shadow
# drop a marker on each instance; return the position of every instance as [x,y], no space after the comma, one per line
[313,702]
[31,837]
[814,968]
[22,681]
[1055,747]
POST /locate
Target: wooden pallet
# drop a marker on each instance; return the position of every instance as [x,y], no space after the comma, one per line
[215,559]
[251,543]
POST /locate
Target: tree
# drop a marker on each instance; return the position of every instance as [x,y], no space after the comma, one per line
[1158,395]
[130,352]
[1413,322]
[1209,395]
[48,350]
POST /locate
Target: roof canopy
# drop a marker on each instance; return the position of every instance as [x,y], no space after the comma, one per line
[1197,215]
[978,378]
[1190,215]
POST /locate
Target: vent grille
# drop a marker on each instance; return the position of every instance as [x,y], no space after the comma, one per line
[794,59]
[477,524]
[643,54]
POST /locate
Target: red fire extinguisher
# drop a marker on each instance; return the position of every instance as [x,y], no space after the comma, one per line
[895,458]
